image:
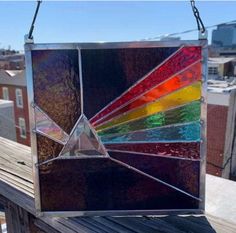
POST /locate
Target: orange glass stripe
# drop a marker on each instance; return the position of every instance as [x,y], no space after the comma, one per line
[180,97]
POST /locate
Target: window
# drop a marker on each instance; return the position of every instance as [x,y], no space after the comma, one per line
[19,98]
[5,93]
[22,127]
[213,70]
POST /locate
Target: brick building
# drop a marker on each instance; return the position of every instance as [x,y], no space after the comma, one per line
[15,61]
[13,87]
[221,68]
[221,130]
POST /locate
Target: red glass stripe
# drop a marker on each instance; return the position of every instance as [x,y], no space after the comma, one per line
[189,150]
[180,60]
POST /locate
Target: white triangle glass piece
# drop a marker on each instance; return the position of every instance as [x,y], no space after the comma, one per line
[48,128]
[83,141]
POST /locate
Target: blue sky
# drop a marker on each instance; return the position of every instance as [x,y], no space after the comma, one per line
[105,21]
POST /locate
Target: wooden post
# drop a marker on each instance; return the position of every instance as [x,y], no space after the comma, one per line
[16,219]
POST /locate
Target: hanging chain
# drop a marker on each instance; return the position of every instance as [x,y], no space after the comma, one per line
[30,35]
[200,25]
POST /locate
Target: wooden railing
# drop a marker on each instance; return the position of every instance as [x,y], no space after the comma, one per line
[17,198]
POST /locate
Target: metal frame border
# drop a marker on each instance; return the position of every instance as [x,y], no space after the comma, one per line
[115,45]
[203,146]
[30,92]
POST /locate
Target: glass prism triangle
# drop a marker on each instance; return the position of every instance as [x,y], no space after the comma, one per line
[47,127]
[83,141]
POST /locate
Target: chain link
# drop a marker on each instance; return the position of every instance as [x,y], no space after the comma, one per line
[196,14]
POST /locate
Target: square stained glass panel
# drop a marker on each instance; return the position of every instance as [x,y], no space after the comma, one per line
[118,128]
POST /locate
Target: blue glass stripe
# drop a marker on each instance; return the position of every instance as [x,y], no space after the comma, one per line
[185,133]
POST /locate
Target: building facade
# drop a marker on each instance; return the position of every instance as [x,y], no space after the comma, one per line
[221,132]
[13,87]
[224,41]
[224,36]
[220,68]
[12,61]
[7,120]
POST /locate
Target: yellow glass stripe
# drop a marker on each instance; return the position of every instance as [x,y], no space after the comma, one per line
[183,96]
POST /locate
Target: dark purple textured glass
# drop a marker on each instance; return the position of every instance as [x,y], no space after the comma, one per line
[183,174]
[47,148]
[189,150]
[101,184]
[57,85]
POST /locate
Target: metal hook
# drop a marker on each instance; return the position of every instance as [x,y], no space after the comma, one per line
[29,37]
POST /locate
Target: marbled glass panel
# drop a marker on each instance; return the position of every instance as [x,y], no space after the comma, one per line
[175,99]
[189,150]
[180,133]
[183,114]
[180,80]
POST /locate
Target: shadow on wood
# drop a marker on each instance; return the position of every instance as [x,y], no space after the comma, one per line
[165,224]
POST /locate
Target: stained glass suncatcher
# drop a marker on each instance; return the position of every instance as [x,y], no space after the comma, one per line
[118,128]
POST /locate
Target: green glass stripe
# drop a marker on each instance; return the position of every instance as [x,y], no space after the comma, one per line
[187,113]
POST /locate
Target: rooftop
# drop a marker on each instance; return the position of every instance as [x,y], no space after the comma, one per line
[13,77]
[5,103]
[218,86]
[13,73]
[10,57]
[220,60]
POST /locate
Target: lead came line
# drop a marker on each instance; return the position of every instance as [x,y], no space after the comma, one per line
[81,81]
[136,83]
[157,134]
[150,129]
[153,155]
[70,158]
[143,117]
[35,106]
[193,85]
[138,142]
[154,178]
[98,122]
[66,136]
[47,136]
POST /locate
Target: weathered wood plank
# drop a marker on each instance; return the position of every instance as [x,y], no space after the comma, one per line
[220,225]
[11,149]
[15,170]
[159,225]
[38,226]
[133,225]
[17,219]
[106,228]
[17,186]
[22,182]
[19,198]
[83,223]
[72,224]
[113,225]
[182,223]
